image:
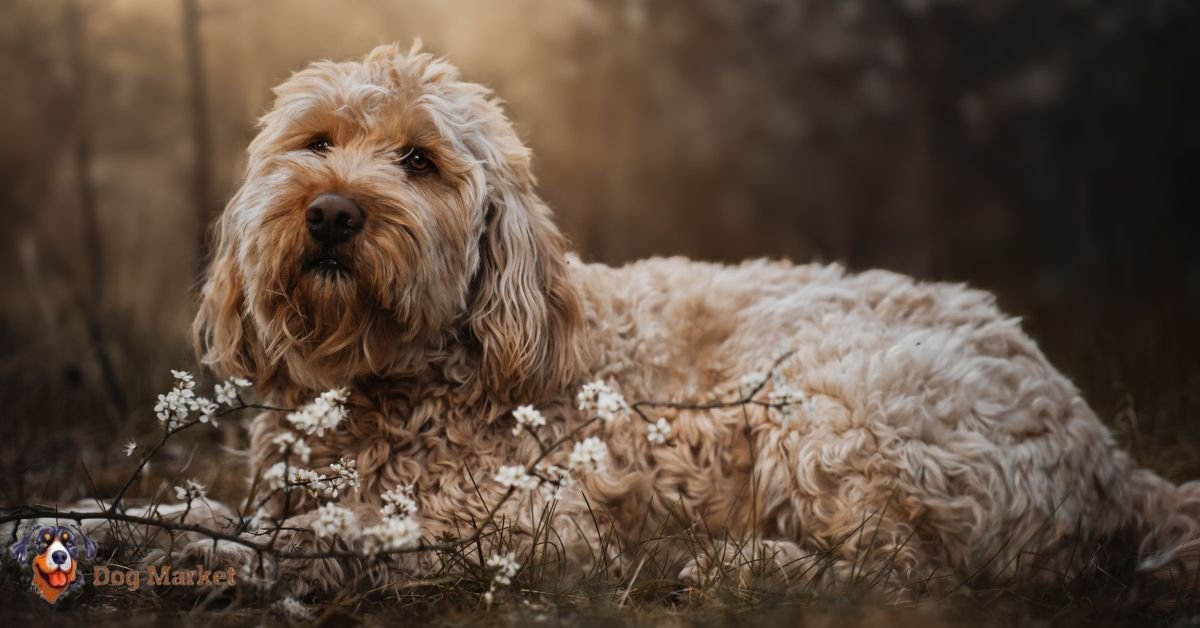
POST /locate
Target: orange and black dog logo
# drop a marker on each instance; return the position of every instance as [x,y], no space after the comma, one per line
[55,558]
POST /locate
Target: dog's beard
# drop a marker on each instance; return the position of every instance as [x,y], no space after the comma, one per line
[321,316]
[332,317]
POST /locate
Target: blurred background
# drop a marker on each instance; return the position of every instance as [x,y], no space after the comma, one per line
[1042,149]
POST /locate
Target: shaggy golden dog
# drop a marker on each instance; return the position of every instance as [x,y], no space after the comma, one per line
[389,237]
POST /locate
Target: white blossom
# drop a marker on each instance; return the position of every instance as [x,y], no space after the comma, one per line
[786,401]
[183,378]
[590,454]
[506,567]
[301,450]
[786,397]
[394,533]
[334,521]
[557,481]
[176,404]
[399,502]
[272,478]
[293,608]
[226,394]
[208,410]
[325,412]
[514,476]
[343,475]
[191,490]
[283,441]
[527,418]
[657,432]
[307,479]
[598,399]
[130,447]
[751,382]
[289,443]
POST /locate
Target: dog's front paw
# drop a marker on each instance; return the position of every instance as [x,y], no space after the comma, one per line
[243,565]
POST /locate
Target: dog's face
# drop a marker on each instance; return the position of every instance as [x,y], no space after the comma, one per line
[55,558]
[387,212]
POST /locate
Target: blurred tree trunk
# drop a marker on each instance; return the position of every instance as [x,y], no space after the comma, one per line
[198,95]
[91,301]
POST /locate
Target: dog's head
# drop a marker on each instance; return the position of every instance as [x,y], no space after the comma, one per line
[55,558]
[388,212]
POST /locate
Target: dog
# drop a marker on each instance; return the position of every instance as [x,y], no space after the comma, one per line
[388,237]
[55,559]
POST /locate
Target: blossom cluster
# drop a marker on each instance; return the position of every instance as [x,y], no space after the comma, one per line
[515,476]
[335,521]
[228,392]
[176,405]
[342,475]
[394,533]
[397,530]
[528,418]
[399,502]
[325,412]
[786,401]
[289,444]
[504,566]
[554,481]
[598,399]
[590,454]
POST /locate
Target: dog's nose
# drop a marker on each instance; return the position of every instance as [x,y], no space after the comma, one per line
[333,218]
[59,557]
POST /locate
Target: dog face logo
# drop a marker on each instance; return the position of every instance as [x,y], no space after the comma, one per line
[54,558]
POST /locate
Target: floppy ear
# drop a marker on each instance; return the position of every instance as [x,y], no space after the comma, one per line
[524,312]
[20,549]
[222,333]
[89,546]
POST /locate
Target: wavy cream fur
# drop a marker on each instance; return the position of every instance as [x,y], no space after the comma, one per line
[931,414]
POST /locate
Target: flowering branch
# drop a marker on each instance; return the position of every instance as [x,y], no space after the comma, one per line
[181,409]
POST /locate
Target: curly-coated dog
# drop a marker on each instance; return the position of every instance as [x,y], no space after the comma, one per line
[389,237]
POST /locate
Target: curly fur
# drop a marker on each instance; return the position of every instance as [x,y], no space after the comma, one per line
[930,414]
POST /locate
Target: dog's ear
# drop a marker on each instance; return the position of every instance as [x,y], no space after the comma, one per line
[524,311]
[222,333]
[20,550]
[89,546]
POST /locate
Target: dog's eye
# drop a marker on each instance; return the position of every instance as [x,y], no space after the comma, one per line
[66,536]
[320,144]
[415,160]
[47,537]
